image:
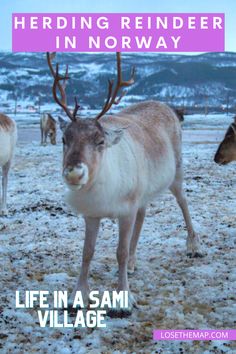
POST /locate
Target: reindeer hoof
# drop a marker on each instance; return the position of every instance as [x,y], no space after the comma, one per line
[119,313]
[195,254]
[3,212]
[131,266]
[72,311]
[131,270]
[123,312]
[194,248]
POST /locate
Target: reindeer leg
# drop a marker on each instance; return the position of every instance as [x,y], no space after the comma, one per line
[5,170]
[126,226]
[193,241]
[41,136]
[134,239]
[45,138]
[91,231]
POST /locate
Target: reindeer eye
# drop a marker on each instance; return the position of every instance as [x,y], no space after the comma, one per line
[101,142]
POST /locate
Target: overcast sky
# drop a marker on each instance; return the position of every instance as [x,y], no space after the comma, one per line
[7,7]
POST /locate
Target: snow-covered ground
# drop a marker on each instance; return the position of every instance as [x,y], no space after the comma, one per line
[201,121]
[41,244]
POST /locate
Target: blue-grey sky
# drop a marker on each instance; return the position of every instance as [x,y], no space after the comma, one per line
[7,7]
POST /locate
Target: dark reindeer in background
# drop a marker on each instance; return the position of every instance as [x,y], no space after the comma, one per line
[226,151]
[115,165]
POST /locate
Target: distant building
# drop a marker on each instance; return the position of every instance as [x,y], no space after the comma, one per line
[31,108]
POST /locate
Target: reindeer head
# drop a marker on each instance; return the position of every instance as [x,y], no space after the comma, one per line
[226,152]
[85,140]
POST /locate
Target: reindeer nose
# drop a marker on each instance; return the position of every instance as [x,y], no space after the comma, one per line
[70,171]
[76,174]
[67,171]
[216,158]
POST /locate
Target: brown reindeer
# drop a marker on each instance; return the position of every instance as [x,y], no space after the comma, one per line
[8,137]
[115,165]
[48,126]
[226,151]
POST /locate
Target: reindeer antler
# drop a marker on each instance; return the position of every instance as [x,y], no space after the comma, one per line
[111,97]
[62,102]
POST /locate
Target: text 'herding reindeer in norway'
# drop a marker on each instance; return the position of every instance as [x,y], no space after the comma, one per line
[114,165]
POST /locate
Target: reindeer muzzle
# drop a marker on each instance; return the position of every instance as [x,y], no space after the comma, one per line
[76,176]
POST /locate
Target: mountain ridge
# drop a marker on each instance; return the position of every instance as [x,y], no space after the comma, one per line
[191,81]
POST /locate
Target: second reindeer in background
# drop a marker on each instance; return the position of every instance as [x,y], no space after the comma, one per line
[48,127]
[226,151]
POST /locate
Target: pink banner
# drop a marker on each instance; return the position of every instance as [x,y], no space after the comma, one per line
[118,32]
[194,334]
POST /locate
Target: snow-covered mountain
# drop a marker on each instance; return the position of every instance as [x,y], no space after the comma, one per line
[195,82]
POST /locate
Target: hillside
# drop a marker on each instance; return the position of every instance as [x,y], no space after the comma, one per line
[181,80]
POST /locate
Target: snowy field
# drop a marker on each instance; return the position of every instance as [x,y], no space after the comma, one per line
[41,244]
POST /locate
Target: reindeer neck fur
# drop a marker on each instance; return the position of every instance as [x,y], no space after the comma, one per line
[138,168]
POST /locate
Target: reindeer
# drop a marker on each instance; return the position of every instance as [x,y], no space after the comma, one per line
[8,137]
[114,165]
[48,126]
[226,151]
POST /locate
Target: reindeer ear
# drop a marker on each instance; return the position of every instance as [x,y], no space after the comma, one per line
[63,124]
[113,137]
